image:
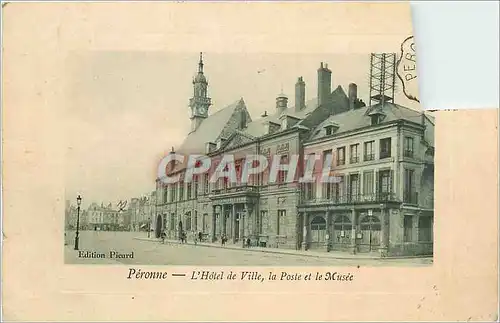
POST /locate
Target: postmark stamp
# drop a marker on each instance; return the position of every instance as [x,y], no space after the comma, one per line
[407,69]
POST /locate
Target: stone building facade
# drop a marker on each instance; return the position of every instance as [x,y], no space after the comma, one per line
[307,216]
[71,217]
[383,202]
[102,217]
[140,212]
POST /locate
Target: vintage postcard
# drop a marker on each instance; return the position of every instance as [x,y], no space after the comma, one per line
[309,170]
[253,151]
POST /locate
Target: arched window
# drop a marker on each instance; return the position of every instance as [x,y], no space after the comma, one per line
[318,223]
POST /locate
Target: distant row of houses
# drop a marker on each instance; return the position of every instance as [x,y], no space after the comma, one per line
[131,215]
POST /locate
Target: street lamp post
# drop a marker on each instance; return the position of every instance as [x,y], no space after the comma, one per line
[78,202]
[149,228]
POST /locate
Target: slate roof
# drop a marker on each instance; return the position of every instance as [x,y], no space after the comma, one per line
[358,118]
[338,100]
[209,130]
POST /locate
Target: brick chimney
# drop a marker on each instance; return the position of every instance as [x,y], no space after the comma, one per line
[353,96]
[300,94]
[324,83]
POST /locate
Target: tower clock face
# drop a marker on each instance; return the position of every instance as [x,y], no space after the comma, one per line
[201,110]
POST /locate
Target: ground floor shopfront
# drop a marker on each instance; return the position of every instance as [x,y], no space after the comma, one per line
[387,229]
[240,214]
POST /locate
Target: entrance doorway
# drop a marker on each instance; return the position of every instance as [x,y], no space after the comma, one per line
[318,232]
[159,228]
[370,230]
[342,229]
[180,229]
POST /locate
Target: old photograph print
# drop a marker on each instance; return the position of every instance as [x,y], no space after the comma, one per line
[205,158]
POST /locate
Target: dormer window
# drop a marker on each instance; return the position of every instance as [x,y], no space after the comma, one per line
[272,127]
[220,143]
[330,128]
[283,124]
[376,116]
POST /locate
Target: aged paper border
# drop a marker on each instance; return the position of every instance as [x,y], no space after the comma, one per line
[461,285]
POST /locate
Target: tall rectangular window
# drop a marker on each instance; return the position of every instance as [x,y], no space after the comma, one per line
[181,191]
[338,189]
[385,148]
[165,194]
[340,156]
[206,186]
[408,228]
[354,158]
[196,186]
[385,184]
[409,194]
[282,173]
[368,183]
[204,221]
[408,147]
[369,153]
[327,160]
[425,229]
[188,221]
[309,191]
[280,225]
[172,222]
[354,187]
[237,170]
[262,222]
[189,190]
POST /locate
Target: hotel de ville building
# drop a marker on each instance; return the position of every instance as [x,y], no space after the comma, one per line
[383,157]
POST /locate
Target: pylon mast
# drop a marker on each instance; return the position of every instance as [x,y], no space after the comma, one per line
[382,77]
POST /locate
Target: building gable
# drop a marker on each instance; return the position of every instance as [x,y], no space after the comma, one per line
[237,139]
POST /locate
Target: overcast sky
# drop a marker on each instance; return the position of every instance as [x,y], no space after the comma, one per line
[126,109]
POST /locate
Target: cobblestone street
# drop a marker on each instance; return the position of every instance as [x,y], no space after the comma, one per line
[150,252]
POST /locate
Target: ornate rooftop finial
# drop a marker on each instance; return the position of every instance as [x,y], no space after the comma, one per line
[200,64]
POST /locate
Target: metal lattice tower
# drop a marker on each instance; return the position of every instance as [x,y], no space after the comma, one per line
[382,77]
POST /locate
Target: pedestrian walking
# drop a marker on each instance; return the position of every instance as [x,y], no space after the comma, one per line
[200,236]
[163,236]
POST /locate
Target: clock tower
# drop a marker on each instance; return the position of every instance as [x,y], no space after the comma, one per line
[200,102]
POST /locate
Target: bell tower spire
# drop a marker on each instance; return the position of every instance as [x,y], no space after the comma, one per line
[200,102]
[200,64]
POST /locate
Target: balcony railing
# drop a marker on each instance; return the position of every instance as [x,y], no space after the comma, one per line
[408,153]
[354,159]
[235,189]
[353,199]
[340,162]
[369,157]
[410,197]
